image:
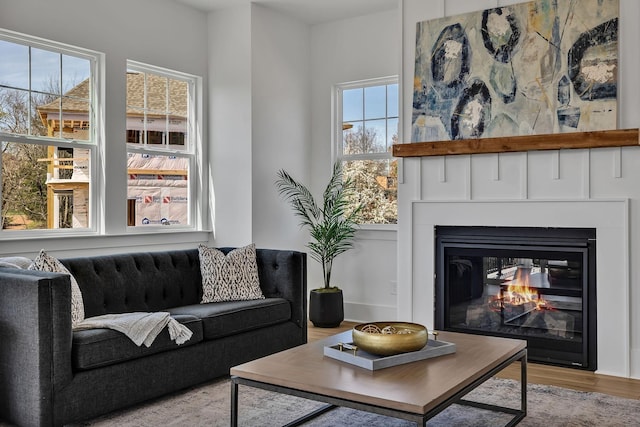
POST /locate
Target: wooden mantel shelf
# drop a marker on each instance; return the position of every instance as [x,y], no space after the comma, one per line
[606,138]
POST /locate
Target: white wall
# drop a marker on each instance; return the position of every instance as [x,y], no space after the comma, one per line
[542,187]
[272,79]
[280,71]
[343,51]
[230,125]
[260,121]
[174,36]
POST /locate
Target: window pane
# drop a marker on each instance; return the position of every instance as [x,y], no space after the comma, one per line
[376,185]
[64,217]
[45,71]
[74,71]
[352,104]
[45,115]
[375,102]
[375,135]
[41,190]
[352,141]
[178,97]
[159,185]
[14,111]
[14,66]
[392,133]
[156,90]
[392,100]
[135,92]
[75,118]
[178,113]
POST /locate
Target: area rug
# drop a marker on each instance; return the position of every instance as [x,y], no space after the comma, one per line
[209,405]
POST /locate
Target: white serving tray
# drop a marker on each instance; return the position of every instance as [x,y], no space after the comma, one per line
[372,362]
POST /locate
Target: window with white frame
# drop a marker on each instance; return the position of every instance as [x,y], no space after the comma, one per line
[366,129]
[161,146]
[49,136]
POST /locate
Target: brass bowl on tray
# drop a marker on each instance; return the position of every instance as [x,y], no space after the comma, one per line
[389,338]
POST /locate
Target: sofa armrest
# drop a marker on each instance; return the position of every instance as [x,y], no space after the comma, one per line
[283,274]
[35,343]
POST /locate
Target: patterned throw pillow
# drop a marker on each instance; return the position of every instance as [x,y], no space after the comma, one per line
[233,277]
[45,262]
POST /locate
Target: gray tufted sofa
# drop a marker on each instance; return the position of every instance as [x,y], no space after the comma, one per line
[51,375]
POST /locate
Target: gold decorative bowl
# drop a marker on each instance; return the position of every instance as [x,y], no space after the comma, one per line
[389,338]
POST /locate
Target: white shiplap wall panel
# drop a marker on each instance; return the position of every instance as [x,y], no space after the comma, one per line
[615,172]
[445,178]
[499,176]
[562,175]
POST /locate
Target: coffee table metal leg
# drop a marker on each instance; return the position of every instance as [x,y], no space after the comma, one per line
[234,403]
[321,410]
[518,414]
[234,408]
[523,385]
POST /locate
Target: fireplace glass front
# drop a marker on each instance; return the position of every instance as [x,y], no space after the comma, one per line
[536,284]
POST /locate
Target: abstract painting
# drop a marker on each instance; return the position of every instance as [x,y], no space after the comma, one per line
[540,67]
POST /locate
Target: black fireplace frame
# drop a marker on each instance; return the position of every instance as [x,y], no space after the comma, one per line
[582,240]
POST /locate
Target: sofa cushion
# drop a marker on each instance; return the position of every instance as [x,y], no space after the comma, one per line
[220,319]
[93,348]
[230,277]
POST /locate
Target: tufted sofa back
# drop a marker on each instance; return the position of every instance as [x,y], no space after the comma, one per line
[155,281]
[145,281]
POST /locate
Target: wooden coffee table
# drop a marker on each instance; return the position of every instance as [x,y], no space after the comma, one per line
[414,391]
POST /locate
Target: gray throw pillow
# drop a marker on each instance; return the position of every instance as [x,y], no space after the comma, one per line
[15,262]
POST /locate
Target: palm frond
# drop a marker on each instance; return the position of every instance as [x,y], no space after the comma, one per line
[300,198]
[332,228]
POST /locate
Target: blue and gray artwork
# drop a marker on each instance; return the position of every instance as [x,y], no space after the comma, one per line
[539,67]
[593,62]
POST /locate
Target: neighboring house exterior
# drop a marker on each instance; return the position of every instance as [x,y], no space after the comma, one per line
[158,184]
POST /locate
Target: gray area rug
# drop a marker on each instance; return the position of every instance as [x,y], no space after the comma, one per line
[209,405]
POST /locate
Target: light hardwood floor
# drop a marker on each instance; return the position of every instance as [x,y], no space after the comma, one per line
[537,373]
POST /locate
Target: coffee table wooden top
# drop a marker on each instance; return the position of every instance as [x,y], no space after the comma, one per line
[415,387]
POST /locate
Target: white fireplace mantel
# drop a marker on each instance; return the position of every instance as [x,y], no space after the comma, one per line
[609,217]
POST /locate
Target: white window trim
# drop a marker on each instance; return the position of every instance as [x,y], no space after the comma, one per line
[96,187]
[337,132]
[194,152]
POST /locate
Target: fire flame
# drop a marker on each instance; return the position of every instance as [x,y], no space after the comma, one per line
[519,292]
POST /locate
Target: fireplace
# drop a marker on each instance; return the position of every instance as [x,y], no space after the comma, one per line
[532,283]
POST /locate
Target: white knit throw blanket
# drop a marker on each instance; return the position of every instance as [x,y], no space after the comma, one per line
[140,327]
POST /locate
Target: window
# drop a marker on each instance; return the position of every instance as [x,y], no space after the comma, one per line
[161,148]
[367,127]
[48,135]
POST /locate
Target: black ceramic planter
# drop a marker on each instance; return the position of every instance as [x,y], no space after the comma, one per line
[326,308]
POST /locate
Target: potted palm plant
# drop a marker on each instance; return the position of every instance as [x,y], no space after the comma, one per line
[332,227]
